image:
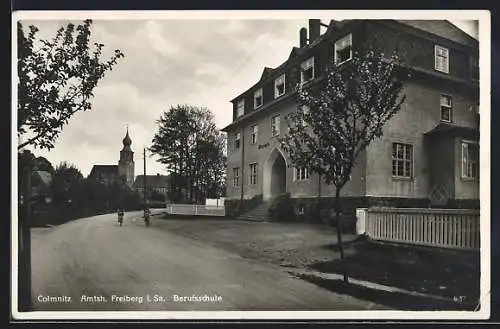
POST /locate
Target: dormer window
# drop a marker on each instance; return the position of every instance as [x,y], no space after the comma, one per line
[279,86]
[257,99]
[307,70]
[343,49]
[240,108]
[441,59]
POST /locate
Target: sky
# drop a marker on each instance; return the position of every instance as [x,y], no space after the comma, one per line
[168,62]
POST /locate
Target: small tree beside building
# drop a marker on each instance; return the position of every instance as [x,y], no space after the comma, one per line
[340,115]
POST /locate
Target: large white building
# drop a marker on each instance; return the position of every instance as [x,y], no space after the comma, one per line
[429,153]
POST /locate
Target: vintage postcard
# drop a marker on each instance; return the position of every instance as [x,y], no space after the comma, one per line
[234,165]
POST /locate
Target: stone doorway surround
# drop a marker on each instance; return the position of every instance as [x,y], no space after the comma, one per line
[274,174]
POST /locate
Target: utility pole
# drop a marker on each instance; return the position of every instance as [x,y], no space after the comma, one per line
[145,199]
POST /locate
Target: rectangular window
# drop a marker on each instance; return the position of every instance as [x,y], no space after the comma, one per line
[257,99]
[275,125]
[253,173]
[236,176]
[343,49]
[255,133]
[237,140]
[470,160]
[307,70]
[402,160]
[441,59]
[305,111]
[279,86]
[240,108]
[301,174]
[446,108]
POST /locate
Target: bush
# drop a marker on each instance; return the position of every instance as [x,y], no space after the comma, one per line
[348,221]
[282,209]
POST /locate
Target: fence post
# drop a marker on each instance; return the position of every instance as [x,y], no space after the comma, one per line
[361,221]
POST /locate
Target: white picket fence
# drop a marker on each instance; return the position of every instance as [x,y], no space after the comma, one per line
[196,210]
[446,228]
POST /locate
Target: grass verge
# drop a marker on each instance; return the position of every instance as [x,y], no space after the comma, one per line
[445,273]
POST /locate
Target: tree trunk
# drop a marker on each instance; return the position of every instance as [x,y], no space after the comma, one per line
[318,199]
[338,219]
[24,258]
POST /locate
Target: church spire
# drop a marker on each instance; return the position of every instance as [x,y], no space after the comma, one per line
[126,162]
[127,141]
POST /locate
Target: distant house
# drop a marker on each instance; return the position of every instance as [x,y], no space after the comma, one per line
[158,183]
[40,184]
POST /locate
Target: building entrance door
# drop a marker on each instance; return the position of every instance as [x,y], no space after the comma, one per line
[274,180]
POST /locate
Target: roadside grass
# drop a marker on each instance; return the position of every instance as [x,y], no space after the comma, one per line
[445,273]
[396,300]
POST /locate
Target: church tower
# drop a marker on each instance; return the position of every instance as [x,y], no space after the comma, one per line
[126,163]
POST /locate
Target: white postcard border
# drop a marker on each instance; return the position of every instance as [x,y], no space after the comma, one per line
[484,18]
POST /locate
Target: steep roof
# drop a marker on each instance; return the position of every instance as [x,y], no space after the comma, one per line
[45,176]
[104,169]
[452,129]
[267,72]
[152,180]
[442,28]
[294,53]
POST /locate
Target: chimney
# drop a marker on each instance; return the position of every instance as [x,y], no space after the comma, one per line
[314,29]
[303,37]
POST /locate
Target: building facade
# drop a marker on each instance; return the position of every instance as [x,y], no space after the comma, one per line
[40,186]
[429,152]
[156,183]
[123,172]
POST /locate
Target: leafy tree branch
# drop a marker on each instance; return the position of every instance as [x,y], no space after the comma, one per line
[56,79]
